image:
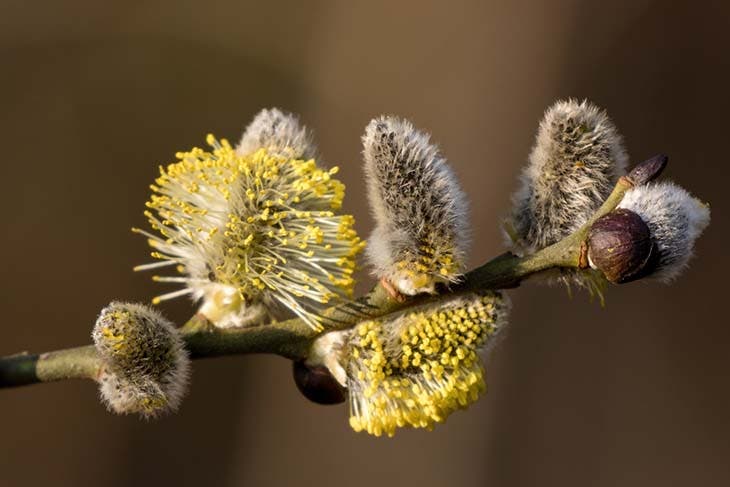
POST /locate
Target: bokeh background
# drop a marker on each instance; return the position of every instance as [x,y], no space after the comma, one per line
[95,95]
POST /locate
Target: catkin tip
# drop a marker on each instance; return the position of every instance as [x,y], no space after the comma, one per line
[278,132]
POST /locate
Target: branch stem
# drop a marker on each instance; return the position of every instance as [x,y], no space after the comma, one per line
[292,338]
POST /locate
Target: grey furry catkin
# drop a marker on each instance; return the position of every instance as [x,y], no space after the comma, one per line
[675,219]
[146,367]
[421,224]
[577,158]
[278,132]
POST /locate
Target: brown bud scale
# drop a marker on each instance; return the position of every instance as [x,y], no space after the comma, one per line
[317,384]
[620,246]
[648,170]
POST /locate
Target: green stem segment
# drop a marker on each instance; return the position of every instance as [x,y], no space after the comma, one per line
[72,363]
[292,338]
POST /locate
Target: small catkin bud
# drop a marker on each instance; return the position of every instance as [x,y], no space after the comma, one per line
[577,158]
[415,368]
[420,211]
[317,383]
[620,246]
[675,220]
[145,365]
[649,170]
[278,132]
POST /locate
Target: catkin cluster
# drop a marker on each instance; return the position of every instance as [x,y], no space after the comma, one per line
[255,233]
[577,160]
[415,368]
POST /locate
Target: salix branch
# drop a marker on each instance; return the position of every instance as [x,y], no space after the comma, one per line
[255,235]
[292,338]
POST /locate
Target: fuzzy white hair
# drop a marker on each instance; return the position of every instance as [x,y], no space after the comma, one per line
[675,219]
[418,207]
[278,132]
[577,158]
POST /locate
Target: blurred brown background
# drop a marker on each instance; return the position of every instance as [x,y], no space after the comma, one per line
[95,95]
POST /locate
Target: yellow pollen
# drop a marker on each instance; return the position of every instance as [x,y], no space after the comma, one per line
[265,223]
[417,369]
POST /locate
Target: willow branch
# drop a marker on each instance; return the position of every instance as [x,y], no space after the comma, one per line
[292,338]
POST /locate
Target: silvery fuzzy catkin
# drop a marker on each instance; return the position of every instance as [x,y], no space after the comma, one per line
[420,212]
[145,365]
[675,219]
[577,158]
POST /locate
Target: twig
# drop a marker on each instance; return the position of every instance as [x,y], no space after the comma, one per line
[292,338]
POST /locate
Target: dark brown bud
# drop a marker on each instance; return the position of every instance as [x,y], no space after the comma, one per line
[648,170]
[620,246]
[317,384]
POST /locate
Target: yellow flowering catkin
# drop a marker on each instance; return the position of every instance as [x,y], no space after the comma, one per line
[252,231]
[416,369]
